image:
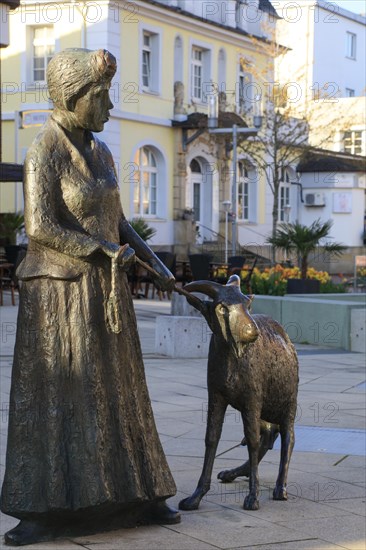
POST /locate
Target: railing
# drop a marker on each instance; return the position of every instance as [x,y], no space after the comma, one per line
[217,248]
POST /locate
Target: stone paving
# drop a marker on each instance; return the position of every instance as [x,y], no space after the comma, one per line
[326,507]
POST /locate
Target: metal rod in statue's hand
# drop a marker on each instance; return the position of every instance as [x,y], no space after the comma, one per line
[182,291]
[153,272]
[147,267]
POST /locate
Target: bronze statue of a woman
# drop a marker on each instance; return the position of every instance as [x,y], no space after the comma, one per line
[83,449]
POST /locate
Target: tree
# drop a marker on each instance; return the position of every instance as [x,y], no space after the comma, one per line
[10,224]
[294,237]
[287,126]
[142,228]
[282,141]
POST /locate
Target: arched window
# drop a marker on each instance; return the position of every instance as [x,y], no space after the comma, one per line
[196,172]
[145,183]
[243,191]
[284,195]
[195,166]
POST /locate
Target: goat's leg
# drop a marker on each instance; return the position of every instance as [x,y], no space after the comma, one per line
[227,476]
[252,436]
[269,433]
[215,418]
[287,444]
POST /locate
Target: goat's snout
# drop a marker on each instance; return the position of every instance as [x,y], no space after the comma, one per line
[237,325]
[246,330]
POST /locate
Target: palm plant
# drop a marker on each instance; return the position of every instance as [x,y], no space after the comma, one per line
[10,224]
[142,228]
[294,237]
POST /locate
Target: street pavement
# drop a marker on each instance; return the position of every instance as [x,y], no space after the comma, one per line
[326,484]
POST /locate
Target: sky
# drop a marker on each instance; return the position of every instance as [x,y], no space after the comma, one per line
[357,6]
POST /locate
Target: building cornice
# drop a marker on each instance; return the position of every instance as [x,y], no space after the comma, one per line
[180,19]
[115,113]
[13,4]
[330,7]
[187,21]
[337,10]
[145,119]
[322,160]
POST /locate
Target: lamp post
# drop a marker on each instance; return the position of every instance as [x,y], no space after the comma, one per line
[212,128]
[227,206]
[213,110]
[287,210]
[299,184]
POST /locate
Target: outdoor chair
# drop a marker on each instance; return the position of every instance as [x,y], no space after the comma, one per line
[169,260]
[200,266]
[235,265]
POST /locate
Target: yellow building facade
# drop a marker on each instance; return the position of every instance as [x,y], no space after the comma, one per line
[172,171]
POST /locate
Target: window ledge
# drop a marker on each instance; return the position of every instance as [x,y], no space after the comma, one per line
[150,217]
[36,85]
[198,102]
[150,92]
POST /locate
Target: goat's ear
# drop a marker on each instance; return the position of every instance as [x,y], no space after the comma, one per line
[250,301]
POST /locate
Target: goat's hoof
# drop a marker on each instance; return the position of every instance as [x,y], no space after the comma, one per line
[251,503]
[226,475]
[280,493]
[189,503]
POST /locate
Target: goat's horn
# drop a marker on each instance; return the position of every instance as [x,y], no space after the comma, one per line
[234,281]
[210,288]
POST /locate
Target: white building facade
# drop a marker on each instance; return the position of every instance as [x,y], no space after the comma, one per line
[327,49]
[156,44]
[324,70]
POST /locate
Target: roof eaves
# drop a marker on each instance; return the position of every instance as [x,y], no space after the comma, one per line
[13,4]
[266,6]
[319,160]
[235,30]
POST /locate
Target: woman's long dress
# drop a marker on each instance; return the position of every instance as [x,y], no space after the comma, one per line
[82,437]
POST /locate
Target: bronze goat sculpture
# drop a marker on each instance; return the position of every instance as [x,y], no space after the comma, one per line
[252,366]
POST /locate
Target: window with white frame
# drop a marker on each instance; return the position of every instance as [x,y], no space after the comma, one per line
[351,45]
[43,49]
[200,73]
[352,142]
[243,192]
[197,73]
[284,195]
[146,60]
[245,89]
[150,61]
[145,183]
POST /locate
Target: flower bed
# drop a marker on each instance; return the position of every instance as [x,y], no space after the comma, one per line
[273,281]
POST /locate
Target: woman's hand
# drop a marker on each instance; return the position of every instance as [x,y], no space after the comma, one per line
[165,281]
[124,255]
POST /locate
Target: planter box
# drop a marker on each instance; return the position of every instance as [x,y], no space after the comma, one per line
[303,286]
[319,319]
